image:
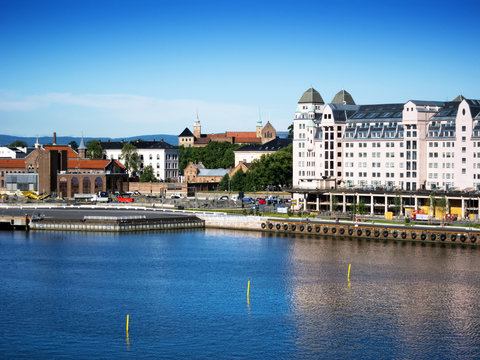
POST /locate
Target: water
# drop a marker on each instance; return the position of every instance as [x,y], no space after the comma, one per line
[66,295]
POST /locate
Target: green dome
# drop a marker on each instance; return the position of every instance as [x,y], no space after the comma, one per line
[343,97]
[311,96]
[459,98]
[311,123]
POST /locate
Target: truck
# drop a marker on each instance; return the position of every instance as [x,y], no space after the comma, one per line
[421,217]
[101,196]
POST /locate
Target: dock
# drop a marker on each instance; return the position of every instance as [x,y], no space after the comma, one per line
[96,219]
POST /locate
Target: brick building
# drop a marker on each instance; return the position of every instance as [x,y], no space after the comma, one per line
[261,135]
[59,170]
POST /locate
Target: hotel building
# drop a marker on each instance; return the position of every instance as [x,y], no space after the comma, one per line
[404,148]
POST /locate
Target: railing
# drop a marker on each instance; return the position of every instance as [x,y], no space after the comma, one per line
[114,217]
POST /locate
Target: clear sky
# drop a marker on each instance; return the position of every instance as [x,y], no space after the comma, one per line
[124,68]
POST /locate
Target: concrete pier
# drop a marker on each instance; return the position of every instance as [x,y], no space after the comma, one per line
[120,224]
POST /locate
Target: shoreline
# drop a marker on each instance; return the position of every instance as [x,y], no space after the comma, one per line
[129,218]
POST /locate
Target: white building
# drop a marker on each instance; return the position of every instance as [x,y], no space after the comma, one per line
[8,152]
[404,146]
[250,152]
[161,156]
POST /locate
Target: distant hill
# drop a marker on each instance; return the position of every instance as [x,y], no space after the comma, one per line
[6,140]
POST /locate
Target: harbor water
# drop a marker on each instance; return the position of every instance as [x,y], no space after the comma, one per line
[67,295]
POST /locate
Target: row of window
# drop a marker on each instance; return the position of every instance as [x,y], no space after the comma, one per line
[444,165]
[374,144]
[444,176]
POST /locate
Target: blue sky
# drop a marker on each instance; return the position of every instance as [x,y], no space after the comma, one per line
[125,68]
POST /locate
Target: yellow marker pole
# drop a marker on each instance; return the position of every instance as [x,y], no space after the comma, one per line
[127,323]
[348,276]
[248,291]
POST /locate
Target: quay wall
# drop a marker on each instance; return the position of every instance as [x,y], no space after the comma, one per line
[235,222]
[424,233]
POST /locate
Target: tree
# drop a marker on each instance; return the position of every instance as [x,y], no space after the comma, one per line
[442,203]
[433,204]
[148,175]
[290,131]
[18,143]
[94,149]
[223,185]
[216,155]
[274,169]
[334,203]
[73,144]
[362,208]
[130,158]
[237,183]
[353,208]
[397,205]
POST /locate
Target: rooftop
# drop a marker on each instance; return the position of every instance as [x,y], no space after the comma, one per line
[139,144]
[273,145]
[311,96]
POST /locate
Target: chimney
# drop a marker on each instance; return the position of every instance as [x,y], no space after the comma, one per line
[54,138]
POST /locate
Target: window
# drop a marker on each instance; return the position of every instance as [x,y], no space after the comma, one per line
[86,186]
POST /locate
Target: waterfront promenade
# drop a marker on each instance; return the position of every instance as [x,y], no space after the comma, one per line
[139,218]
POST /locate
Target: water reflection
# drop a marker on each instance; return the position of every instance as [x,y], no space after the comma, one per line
[187,291]
[414,292]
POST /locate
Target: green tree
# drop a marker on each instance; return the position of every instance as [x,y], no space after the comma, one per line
[442,203]
[353,208]
[148,175]
[433,204]
[223,185]
[73,144]
[362,208]
[216,155]
[18,143]
[130,158]
[274,169]
[237,182]
[94,149]
[290,131]
[397,204]
[334,203]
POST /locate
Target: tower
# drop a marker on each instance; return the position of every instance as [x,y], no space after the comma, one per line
[259,127]
[82,149]
[197,129]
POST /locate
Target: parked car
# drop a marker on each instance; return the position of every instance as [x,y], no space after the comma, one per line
[125,198]
[175,196]
[272,199]
[248,200]
[261,201]
[223,198]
